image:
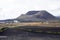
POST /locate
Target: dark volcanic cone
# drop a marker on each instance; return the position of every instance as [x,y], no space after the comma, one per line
[36,16]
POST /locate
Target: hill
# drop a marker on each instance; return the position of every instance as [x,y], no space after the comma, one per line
[36,16]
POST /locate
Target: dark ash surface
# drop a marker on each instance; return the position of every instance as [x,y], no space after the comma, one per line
[14,34]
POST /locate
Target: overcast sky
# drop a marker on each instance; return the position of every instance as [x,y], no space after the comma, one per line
[14,8]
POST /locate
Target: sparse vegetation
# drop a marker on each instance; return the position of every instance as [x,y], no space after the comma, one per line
[3,29]
[46,24]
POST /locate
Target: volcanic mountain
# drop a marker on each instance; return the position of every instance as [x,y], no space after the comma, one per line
[36,16]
